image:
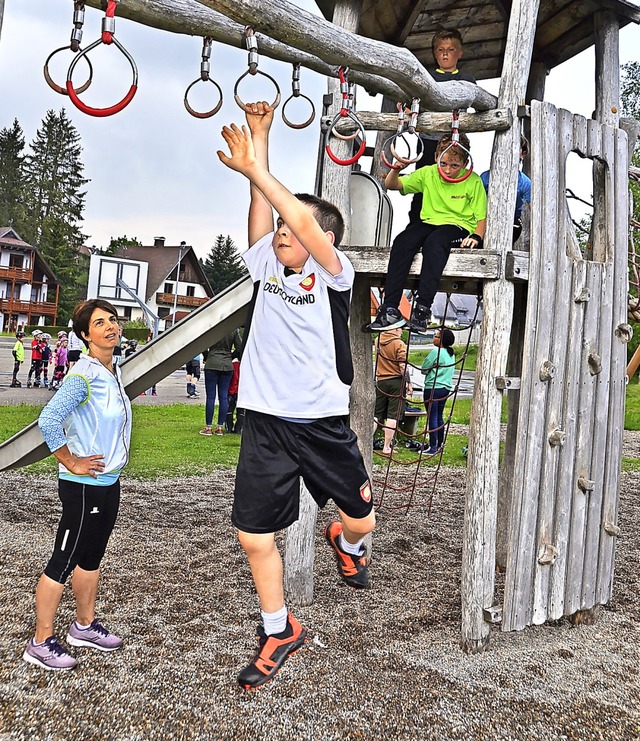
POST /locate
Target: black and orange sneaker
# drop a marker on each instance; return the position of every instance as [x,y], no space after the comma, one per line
[353,569]
[273,652]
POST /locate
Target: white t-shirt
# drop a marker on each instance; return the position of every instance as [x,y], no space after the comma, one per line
[296,359]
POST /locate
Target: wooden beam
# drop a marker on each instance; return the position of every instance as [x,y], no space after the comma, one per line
[499,119]
[504,6]
[410,21]
[479,528]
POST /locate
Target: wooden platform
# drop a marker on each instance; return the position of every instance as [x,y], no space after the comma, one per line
[464,273]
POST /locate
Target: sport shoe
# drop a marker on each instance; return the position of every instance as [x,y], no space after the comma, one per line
[219,430]
[388,317]
[353,569]
[206,431]
[49,655]
[420,318]
[95,636]
[272,653]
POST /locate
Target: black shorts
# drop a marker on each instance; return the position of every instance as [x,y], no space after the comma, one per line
[274,454]
[193,368]
[88,516]
[74,355]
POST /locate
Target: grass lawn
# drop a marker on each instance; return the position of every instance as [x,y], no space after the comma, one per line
[165,439]
[417,356]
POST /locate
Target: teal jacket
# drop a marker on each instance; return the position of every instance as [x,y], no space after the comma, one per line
[438,368]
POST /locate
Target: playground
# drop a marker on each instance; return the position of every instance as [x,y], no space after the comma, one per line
[377,664]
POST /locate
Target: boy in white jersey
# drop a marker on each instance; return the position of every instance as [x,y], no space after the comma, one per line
[296,372]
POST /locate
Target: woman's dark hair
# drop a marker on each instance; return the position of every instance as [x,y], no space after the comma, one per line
[327,215]
[447,339]
[82,315]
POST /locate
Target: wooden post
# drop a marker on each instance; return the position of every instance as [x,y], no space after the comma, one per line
[535,91]
[478,548]
[634,364]
[299,548]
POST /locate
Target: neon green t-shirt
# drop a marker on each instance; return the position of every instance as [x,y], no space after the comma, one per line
[463,204]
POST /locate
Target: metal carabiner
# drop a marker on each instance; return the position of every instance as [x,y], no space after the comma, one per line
[295,88]
[455,142]
[76,38]
[348,91]
[252,47]
[205,69]
[107,37]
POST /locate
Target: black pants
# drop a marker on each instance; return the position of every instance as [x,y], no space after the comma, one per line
[435,243]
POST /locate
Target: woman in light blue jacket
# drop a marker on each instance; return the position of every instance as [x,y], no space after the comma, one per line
[87,427]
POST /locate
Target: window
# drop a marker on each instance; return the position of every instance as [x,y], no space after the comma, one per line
[110,272]
[163,311]
[168,287]
[16,261]
[191,290]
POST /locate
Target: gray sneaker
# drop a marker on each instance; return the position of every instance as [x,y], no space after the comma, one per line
[95,636]
[49,655]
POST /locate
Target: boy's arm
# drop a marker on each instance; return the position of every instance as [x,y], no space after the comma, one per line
[259,120]
[392,181]
[295,214]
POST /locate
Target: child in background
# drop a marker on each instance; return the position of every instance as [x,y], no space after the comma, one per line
[60,357]
[46,355]
[192,377]
[36,357]
[18,359]
[451,211]
[233,401]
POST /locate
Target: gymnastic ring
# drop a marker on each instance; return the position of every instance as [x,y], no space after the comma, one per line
[55,86]
[242,105]
[467,173]
[100,112]
[206,114]
[308,121]
[329,131]
[406,160]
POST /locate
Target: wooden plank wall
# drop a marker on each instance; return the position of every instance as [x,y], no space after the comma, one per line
[566,475]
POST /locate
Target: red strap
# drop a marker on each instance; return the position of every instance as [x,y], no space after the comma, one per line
[107,36]
[100,112]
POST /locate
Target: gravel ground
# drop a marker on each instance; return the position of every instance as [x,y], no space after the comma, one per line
[382,663]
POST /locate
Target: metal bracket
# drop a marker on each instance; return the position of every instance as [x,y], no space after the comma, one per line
[492,614]
[507,383]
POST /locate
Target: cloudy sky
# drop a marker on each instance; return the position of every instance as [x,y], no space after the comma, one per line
[153,167]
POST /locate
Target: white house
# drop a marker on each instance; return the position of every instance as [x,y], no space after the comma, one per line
[163,277]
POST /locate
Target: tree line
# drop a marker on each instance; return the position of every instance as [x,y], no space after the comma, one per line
[42,197]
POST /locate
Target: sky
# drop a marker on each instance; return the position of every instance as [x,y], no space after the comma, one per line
[153,168]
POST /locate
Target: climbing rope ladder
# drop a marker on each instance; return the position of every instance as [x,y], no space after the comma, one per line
[415,487]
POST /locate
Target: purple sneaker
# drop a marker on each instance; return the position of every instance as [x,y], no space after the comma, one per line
[49,655]
[95,636]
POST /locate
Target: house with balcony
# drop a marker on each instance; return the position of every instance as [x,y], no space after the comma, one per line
[168,279]
[28,287]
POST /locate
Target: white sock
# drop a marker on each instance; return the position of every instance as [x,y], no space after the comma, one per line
[352,548]
[274,622]
[82,627]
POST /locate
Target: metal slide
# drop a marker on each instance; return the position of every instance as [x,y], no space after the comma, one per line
[202,328]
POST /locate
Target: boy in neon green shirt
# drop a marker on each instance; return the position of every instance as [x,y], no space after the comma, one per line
[452,212]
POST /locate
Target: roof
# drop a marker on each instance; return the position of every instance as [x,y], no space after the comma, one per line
[10,238]
[564,28]
[162,261]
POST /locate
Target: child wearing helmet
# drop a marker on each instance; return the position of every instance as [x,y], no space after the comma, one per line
[36,356]
[18,358]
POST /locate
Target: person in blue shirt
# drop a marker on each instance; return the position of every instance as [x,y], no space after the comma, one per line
[523,193]
[87,427]
[438,368]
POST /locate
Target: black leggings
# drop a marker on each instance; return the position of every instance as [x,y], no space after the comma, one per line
[435,243]
[88,516]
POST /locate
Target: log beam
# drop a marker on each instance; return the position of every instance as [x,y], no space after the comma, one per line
[290,34]
[479,533]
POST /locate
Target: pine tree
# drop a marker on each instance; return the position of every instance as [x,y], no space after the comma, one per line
[55,203]
[223,265]
[12,191]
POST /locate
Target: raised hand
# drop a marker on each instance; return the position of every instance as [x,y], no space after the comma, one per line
[259,117]
[243,155]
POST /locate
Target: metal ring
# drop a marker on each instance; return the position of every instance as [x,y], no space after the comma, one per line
[406,160]
[242,105]
[363,145]
[100,112]
[308,121]
[467,173]
[55,86]
[206,114]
